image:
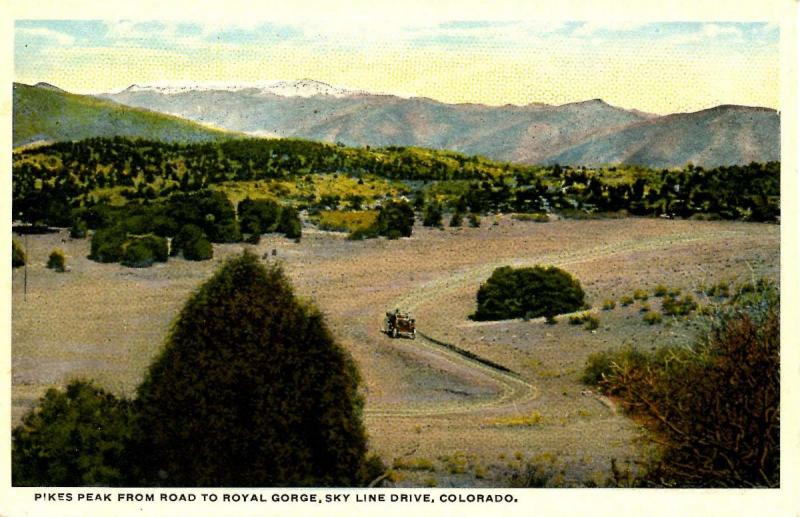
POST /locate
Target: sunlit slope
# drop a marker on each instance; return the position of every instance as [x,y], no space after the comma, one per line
[47,115]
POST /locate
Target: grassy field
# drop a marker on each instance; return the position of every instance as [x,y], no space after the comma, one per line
[440,419]
[343,221]
[312,187]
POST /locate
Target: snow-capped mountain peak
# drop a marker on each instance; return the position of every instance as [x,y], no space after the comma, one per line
[299,88]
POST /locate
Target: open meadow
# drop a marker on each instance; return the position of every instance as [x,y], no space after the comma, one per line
[440,418]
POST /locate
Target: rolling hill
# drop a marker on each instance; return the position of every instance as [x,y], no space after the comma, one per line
[725,135]
[44,113]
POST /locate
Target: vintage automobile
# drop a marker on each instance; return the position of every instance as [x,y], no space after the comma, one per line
[400,324]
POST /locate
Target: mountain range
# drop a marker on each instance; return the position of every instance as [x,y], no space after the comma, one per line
[582,133]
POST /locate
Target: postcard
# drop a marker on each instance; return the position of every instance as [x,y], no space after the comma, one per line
[362,258]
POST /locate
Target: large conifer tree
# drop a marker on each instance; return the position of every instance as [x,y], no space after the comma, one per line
[250,390]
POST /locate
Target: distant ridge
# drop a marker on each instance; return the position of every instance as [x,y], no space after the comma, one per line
[590,132]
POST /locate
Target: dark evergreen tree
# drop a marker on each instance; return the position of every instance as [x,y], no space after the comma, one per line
[528,292]
[250,390]
[76,437]
[396,219]
[192,243]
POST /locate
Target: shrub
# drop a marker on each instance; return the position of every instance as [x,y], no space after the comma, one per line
[603,365]
[108,244]
[432,215]
[592,322]
[536,218]
[75,437]
[192,242]
[640,294]
[474,220]
[672,306]
[289,223]
[78,229]
[714,404]
[576,319]
[625,301]
[652,318]
[56,261]
[210,210]
[719,290]
[645,307]
[17,255]
[395,220]
[660,290]
[250,390]
[257,217]
[456,220]
[144,251]
[535,291]
[360,234]
[609,305]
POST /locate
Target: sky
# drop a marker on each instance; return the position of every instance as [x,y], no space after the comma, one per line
[654,67]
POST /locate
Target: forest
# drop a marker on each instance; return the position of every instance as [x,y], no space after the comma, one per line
[65,182]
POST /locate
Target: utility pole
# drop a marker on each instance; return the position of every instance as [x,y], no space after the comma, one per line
[25,278]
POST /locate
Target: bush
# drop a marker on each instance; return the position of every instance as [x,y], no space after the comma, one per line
[660,290]
[474,220]
[108,244]
[592,322]
[17,255]
[79,229]
[432,215]
[652,318]
[144,251]
[250,390]
[56,261]
[456,220]
[576,319]
[360,234]
[609,305]
[395,220]
[640,294]
[289,223]
[533,291]
[192,243]
[625,301]
[536,218]
[672,306]
[715,404]
[603,365]
[75,437]
[257,217]
[719,290]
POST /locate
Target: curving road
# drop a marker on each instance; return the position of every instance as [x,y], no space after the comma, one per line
[512,390]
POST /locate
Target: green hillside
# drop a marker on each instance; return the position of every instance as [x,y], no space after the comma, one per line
[42,114]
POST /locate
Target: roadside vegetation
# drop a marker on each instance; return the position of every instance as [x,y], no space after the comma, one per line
[217,404]
[712,405]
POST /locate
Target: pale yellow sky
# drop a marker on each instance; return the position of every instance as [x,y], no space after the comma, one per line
[655,67]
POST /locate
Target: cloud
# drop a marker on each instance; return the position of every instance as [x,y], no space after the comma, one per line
[41,32]
[713,30]
[591,28]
